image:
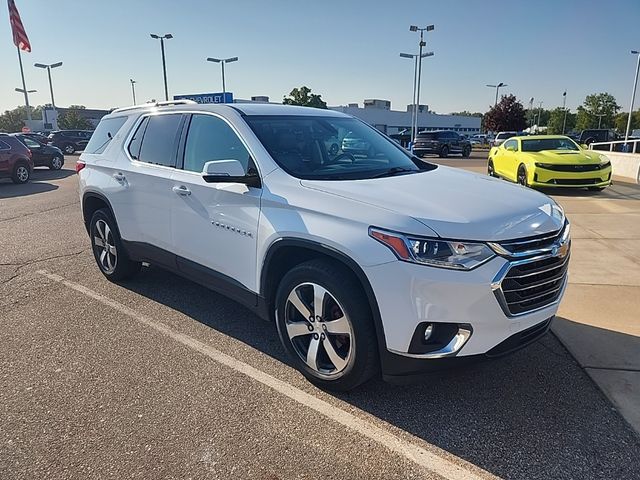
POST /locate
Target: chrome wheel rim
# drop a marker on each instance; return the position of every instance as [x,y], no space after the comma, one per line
[105,247]
[56,162]
[22,173]
[69,149]
[319,330]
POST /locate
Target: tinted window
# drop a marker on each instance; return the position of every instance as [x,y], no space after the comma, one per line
[30,143]
[4,146]
[426,136]
[107,129]
[136,141]
[159,142]
[538,145]
[211,138]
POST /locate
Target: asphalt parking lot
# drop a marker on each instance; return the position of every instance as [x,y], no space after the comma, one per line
[160,378]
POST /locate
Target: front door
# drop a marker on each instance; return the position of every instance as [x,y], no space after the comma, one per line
[37,156]
[215,224]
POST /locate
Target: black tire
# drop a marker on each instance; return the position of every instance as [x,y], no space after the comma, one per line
[341,284]
[123,266]
[466,152]
[21,173]
[522,176]
[56,163]
[444,153]
[69,149]
[595,189]
[491,171]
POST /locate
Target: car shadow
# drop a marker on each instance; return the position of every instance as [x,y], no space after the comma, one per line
[534,414]
[9,189]
[44,173]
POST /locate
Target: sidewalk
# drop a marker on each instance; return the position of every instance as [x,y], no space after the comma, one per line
[599,318]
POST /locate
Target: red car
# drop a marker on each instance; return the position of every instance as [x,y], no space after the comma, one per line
[15,159]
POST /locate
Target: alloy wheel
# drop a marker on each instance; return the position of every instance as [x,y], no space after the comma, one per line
[69,149]
[22,173]
[319,330]
[105,247]
[56,163]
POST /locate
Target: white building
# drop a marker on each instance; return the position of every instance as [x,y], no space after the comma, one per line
[378,113]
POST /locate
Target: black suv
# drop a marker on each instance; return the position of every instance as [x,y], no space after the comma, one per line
[441,142]
[70,141]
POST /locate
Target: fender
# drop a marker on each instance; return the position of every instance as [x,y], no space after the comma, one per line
[100,196]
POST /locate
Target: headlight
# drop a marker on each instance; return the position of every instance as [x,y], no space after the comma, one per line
[604,163]
[434,252]
[543,165]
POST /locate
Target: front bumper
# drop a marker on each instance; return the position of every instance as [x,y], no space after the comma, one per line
[541,177]
[409,295]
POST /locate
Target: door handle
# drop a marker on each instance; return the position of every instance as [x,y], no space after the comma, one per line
[181,190]
[119,176]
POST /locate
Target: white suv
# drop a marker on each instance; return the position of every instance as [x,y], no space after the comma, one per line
[367,261]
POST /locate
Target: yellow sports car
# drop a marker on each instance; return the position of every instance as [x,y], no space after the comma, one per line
[549,161]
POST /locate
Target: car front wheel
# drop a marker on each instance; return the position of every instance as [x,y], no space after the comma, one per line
[490,169]
[110,255]
[522,176]
[21,173]
[56,163]
[324,322]
[466,152]
[69,149]
[444,153]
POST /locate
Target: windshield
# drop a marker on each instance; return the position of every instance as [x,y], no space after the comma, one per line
[331,148]
[541,144]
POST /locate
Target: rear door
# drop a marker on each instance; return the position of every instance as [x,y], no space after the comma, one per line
[5,155]
[455,140]
[215,224]
[37,155]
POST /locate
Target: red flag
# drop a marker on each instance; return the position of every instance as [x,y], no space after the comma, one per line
[20,38]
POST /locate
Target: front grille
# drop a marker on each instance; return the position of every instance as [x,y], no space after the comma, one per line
[532,243]
[535,284]
[573,168]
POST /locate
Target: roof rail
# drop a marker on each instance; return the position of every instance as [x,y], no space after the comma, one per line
[155,104]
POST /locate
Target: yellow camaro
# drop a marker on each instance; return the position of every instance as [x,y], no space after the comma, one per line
[549,161]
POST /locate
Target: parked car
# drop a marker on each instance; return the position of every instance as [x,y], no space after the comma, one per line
[596,135]
[38,137]
[501,137]
[15,159]
[356,146]
[42,154]
[442,143]
[479,138]
[549,161]
[70,141]
[388,263]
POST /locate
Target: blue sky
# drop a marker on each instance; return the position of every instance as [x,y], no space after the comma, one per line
[344,50]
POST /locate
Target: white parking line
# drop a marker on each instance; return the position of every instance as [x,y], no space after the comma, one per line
[430,461]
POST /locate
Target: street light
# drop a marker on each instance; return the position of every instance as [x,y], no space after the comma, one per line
[222,61]
[133,89]
[414,28]
[415,74]
[633,97]
[21,90]
[48,67]
[162,38]
[539,115]
[497,87]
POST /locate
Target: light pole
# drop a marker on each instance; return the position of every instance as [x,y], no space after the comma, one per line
[633,97]
[532,115]
[133,89]
[48,67]
[414,28]
[25,93]
[600,115]
[222,61]
[415,75]
[497,87]
[564,107]
[162,38]
[539,115]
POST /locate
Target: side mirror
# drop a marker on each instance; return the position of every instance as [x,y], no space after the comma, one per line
[229,171]
[510,148]
[584,146]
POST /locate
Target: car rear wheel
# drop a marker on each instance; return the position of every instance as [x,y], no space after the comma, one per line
[21,173]
[69,149]
[466,152]
[522,176]
[444,153]
[324,322]
[56,163]
[110,255]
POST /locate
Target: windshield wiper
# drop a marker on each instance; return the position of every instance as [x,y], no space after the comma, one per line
[394,170]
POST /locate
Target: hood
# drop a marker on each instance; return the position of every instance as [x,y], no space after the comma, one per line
[568,157]
[455,204]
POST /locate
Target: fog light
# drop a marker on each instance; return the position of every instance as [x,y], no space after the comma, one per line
[428,331]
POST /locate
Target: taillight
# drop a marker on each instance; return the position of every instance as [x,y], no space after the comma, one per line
[80,165]
[30,153]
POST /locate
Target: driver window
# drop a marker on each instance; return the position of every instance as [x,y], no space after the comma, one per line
[31,143]
[210,138]
[511,145]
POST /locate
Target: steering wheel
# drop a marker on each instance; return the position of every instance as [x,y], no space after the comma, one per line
[347,156]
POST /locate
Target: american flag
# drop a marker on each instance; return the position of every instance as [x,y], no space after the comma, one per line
[20,38]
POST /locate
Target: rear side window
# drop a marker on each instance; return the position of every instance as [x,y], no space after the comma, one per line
[211,138]
[4,146]
[427,136]
[107,129]
[159,141]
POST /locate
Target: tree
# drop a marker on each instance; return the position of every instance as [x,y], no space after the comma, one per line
[303,96]
[508,114]
[13,120]
[556,121]
[621,121]
[71,120]
[595,106]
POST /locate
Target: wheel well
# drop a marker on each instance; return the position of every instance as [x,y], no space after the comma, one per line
[91,204]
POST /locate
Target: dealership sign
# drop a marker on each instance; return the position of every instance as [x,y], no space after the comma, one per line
[220,97]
